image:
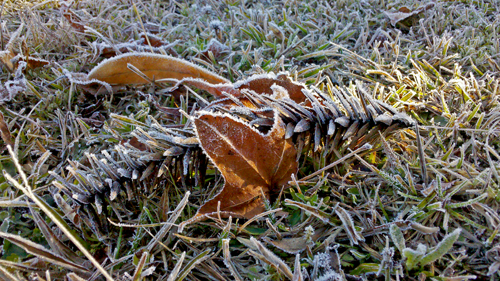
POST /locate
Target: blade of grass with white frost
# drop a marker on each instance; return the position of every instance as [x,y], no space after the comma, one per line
[164,230]
[175,271]
[201,257]
[323,216]
[73,277]
[140,266]
[53,240]
[19,266]
[26,189]
[6,274]
[397,237]
[297,271]
[421,156]
[442,247]
[348,224]
[227,260]
[270,256]
[42,253]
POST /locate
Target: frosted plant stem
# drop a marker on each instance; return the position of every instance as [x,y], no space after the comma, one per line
[363,148]
[26,189]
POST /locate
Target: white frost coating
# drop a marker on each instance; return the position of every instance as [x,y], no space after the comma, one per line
[241,110]
[330,275]
[279,92]
[404,118]
[204,216]
[246,111]
[269,75]
[217,114]
[139,45]
[207,9]
[384,118]
[14,87]
[73,79]
[367,146]
[140,54]
[149,35]
[24,59]
[217,25]
[342,121]
[215,46]
[226,86]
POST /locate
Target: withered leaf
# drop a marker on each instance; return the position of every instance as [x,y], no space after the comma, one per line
[216,48]
[6,59]
[11,59]
[154,66]
[277,85]
[158,67]
[404,13]
[5,132]
[248,160]
[262,84]
[73,19]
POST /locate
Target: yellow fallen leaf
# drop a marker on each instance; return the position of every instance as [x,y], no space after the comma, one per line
[154,66]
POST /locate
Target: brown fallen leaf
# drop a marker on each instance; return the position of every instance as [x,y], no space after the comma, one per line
[404,13]
[7,55]
[270,84]
[163,68]
[251,163]
[10,59]
[154,66]
[263,84]
[155,41]
[215,47]
[71,17]
[33,62]
[6,59]
[4,132]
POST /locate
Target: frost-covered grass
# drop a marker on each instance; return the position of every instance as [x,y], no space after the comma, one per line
[421,204]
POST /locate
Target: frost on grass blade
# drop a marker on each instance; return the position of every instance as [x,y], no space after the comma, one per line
[216,48]
[348,224]
[15,86]
[216,90]
[397,237]
[141,45]
[154,66]
[293,245]
[82,80]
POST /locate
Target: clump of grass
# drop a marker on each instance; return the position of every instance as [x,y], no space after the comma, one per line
[421,203]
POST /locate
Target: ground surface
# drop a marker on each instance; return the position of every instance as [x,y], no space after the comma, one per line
[419,204]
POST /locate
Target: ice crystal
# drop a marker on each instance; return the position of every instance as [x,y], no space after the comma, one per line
[330,276]
[216,25]
[322,260]
[309,232]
